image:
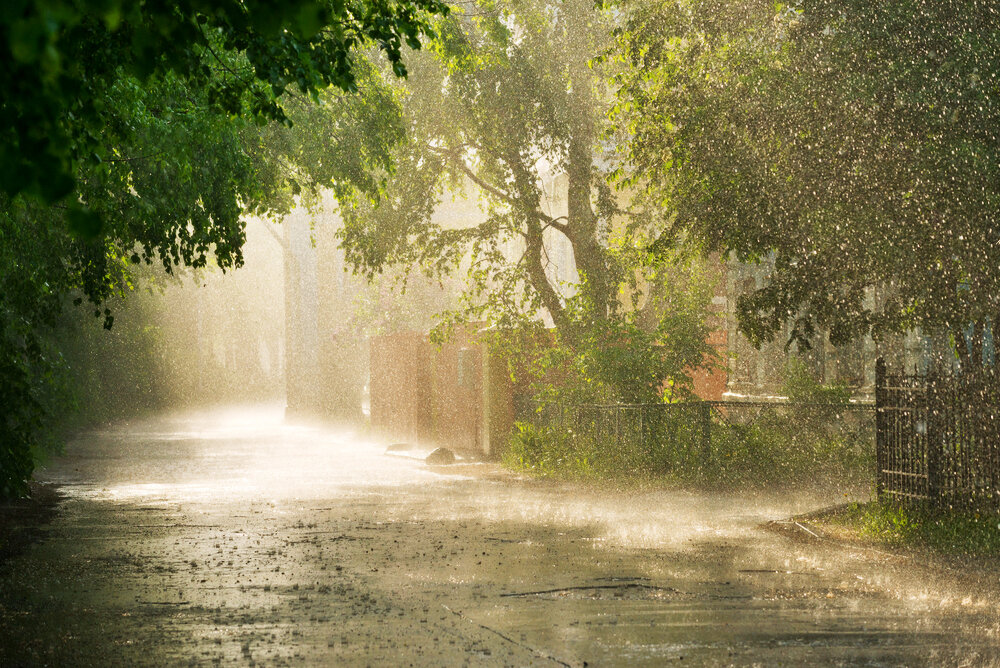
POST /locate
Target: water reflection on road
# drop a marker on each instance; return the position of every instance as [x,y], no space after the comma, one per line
[228,456]
[230,536]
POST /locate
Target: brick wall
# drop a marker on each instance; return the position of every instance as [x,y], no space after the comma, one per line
[455,396]
[399,386]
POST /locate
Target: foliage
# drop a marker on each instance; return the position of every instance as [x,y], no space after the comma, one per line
[59,58]
[801,387]
[853,144]
[818,444]
[547,452]
[643,355]
[32,279]
[673,443]
[466,134]
[132,134]
[952,532]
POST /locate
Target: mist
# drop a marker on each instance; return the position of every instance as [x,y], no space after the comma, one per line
[500,333]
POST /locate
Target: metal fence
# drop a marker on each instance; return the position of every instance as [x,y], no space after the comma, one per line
[680,433]
[699,435]
[938,436]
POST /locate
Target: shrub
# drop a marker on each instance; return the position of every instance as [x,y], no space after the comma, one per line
[669,442]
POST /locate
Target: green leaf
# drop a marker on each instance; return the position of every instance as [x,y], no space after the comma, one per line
[84,223]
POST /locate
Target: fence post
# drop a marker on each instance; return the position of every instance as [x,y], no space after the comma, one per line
[934,438]
[706,433]
[642,430]
[618,427]
[880,426]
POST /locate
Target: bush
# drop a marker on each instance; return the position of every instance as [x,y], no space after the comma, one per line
[670,442]
[802,388]
[547,451]
[779,449]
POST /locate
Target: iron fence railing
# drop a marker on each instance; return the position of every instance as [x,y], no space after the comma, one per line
[938,436]
[701,434]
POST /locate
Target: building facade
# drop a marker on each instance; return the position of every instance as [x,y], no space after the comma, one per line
[762,373]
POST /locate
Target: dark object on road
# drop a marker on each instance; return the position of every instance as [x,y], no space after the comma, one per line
[441,456]
[399,447]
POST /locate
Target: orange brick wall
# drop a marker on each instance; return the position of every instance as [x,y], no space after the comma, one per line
[400,386]
[711,383]
[434,396]
[458,394]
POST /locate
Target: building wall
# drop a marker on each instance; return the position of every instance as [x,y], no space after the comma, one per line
[499,402]
[456,396]
[400,403]
[343,348]
[711,383]
[761,373]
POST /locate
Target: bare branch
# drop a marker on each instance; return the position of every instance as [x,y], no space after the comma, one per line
[280,238]
[549,221]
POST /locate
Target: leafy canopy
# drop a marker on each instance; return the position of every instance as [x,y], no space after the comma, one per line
[852,144]
[58,58]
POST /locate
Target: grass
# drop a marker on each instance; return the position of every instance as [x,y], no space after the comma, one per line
[915,526]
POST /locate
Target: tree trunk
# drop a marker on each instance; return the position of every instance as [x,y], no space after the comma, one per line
[535,242]
[590,255]
[535,251]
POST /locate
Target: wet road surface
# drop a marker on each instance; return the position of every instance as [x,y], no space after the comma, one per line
[229,538]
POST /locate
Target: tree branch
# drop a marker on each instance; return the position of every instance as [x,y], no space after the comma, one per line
[138,158]
[549,221]
[562,227]
[280,238]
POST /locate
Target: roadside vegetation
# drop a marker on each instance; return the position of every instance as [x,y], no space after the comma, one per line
[817,438]
[947,531]
[769,452]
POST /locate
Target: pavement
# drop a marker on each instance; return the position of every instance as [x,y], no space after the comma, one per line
[229,538]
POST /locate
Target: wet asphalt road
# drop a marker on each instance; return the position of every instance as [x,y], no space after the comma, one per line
[229,538]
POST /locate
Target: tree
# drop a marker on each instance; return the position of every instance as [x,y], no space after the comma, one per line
[853,144]
[31,281]
[508,108]
[59,58]
[506,96]
[132,133]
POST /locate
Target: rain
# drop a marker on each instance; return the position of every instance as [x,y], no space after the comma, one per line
[500,332]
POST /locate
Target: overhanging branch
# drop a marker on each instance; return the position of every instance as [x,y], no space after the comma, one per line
[548,220]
